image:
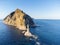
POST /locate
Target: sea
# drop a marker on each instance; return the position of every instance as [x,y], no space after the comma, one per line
[47,32]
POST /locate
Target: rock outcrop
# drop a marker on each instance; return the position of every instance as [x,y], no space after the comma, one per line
[19,19]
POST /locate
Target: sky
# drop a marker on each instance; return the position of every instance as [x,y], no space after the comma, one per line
[38,9]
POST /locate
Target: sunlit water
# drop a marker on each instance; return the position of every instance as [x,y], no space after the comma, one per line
[47,31]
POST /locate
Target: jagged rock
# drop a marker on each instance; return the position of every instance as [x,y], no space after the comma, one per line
[27,33]
[19,19]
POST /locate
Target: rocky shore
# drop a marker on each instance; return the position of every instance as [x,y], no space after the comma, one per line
[20,20]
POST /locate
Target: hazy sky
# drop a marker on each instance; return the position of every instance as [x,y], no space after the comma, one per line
[39,9]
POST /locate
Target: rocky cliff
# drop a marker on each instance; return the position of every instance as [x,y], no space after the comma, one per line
[19,19]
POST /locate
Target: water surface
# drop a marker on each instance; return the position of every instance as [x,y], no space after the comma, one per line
[48,33]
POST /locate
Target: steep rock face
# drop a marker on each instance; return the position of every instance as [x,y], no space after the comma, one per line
[19,19]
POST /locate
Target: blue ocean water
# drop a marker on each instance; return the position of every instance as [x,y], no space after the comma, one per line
[47,31]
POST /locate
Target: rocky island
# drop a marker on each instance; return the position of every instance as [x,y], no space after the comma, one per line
[20,20]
